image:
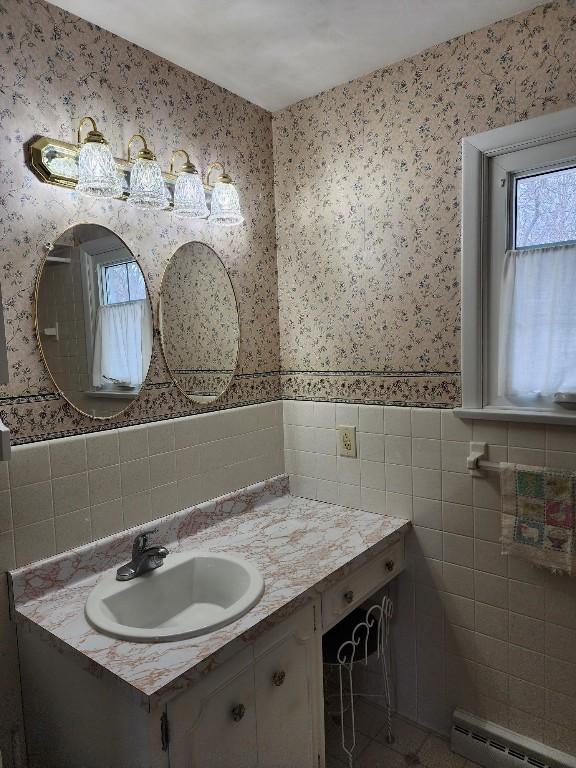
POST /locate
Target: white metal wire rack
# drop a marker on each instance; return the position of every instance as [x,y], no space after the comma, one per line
[369,638]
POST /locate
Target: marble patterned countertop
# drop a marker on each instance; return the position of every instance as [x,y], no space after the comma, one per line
[300,546]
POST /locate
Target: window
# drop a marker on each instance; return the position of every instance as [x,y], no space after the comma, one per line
[519,271]
[122,282]
[544,208]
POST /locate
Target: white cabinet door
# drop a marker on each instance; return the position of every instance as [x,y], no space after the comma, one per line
[289,694]
[213,725]
[263,708]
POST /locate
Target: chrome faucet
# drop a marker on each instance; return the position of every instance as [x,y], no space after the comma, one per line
[144,558]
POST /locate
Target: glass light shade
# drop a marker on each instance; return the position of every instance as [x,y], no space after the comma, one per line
[189,197]
[97,173]
[147,188]
[225,205]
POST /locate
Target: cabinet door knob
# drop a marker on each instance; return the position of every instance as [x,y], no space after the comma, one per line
[278,678]
[389,565]
[349,596]
[238,712]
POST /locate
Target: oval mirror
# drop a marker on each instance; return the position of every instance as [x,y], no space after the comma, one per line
[94,320]
[199,325]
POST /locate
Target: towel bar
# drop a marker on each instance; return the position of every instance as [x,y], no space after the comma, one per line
[477,463]
[488,466]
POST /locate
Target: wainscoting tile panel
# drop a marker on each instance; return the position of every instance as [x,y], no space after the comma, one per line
[507,647]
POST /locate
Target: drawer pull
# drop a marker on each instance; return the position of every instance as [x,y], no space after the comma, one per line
[389,565]
[278,678]
[238,712]
[349,596]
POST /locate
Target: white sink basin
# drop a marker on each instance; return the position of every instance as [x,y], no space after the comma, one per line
[192,594]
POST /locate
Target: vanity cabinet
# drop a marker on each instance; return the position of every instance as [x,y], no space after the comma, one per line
[262,708]
[288,678]
[213,725]
[351,591]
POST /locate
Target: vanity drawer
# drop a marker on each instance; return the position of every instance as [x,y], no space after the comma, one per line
[354,588]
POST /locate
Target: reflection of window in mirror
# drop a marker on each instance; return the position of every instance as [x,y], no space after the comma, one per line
[94,320]
[122,282]
[121,322]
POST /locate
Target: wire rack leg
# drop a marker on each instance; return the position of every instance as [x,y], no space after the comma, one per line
[345,671]
[387,609]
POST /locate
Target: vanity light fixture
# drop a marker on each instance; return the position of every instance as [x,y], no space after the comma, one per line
[225,204]
[189,195]
[147,187]
[97,172]
[89,167]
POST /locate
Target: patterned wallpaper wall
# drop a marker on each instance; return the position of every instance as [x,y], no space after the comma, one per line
[367,184]
[55,68]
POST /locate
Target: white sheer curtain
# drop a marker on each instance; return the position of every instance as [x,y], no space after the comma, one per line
[537,356]
[123,344]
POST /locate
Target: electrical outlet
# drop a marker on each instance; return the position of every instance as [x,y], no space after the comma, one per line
[347,441]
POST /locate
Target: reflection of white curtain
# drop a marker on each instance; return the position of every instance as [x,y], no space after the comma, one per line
[123,344]
[538,323]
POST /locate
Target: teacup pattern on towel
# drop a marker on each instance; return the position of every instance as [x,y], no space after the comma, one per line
[538,520]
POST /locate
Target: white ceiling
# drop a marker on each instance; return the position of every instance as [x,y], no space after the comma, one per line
[276,52]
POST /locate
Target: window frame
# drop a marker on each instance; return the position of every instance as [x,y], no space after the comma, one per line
[477,152]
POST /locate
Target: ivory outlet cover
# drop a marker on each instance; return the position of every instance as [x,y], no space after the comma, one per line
[346,441]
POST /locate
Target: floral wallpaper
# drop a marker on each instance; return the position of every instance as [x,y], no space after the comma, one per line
[199,320]
[56,68]
[367,196]
[367,184]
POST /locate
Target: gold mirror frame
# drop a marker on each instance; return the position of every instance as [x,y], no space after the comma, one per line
[37,331]
[161,333]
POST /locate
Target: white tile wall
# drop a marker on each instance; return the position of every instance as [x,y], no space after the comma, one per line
[473,629]
[59,494]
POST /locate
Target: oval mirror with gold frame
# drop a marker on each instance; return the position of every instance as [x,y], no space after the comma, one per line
[93,320]
[199,324]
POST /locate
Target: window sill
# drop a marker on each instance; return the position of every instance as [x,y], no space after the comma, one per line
[525,415]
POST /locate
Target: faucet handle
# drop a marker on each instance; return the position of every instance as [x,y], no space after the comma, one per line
[141,541]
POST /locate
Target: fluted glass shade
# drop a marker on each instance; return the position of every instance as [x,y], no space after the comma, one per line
[189,197]
[97,173]
[147,188]
[225,205]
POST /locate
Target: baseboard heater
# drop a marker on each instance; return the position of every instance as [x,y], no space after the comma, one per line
[492,746]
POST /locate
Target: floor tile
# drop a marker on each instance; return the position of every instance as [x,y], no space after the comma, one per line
[377,755]
[435,753]
[408,737]
[332,762]
[333,737]
[414,746]
[370,720]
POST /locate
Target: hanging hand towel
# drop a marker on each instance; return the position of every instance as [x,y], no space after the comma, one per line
[538,508]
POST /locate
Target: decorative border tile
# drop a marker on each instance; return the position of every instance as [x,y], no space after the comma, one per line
[46,416]
[428,389]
